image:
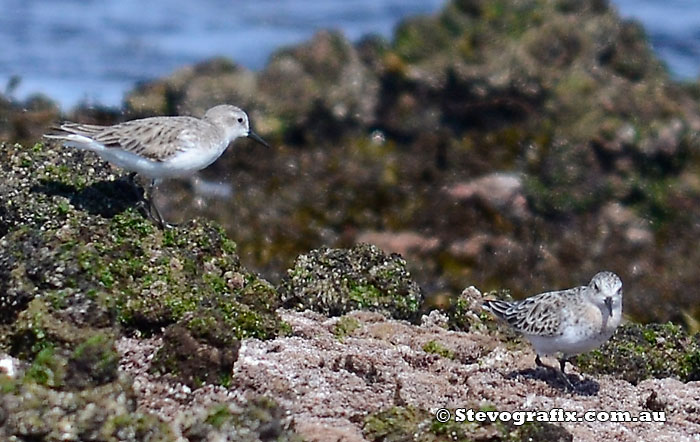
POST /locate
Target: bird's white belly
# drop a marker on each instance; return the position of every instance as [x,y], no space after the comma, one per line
[568,343]
[181,164]
[589,331]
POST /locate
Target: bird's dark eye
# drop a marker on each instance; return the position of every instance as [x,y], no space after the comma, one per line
[240,120]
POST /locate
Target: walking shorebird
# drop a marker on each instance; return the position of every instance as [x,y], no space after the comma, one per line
[161,147]
[566,322]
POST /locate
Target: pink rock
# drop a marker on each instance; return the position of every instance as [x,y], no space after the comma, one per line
[499,190]
[403,243]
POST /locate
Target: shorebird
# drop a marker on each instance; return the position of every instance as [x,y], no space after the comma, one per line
[566,322]
[161,147]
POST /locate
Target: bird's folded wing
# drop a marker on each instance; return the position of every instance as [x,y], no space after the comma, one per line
[538,315]
[157,139]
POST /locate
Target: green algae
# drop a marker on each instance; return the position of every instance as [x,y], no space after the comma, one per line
[345,326]
[438,349]
[106,412]
[337,281]
[46,369]
[80,267]
[402,423]
[97,268]
[258,419]
[637,352]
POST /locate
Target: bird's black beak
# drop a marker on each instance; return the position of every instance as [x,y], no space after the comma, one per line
[608,303]
[253,136]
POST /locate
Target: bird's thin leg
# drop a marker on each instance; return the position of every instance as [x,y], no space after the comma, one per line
[139,194]
[131,179]
[539,362]
[562,364]
[560,373]
[158,218]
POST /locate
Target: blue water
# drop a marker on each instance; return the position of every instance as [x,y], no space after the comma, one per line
[673,27]
[93,51]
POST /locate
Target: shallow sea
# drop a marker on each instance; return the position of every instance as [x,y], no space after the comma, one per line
[93,51]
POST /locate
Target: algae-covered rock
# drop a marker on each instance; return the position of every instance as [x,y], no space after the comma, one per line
[200,348]
[465,312]
[336,281]
[89,362]
[637,352]
[25,121]
[76,245]
[260,419]
[411,423]
[32,411]
[81,266]
[328,88]
[189,91]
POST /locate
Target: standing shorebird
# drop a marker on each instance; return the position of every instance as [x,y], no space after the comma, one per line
[566,322]
[161,147]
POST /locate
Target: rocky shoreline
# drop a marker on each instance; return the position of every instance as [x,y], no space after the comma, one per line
[515,146]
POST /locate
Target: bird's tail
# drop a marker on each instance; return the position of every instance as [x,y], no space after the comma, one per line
[68,127]
[76,135]
[498,308]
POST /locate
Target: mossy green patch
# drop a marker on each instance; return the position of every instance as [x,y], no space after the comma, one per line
[419,38]
[460,314]
[336,281]
[36,330]
[365,295]
[412,423]
[438,349]
[46,369]
[258,419]
[345,326]
[637,352]
[149,284]
[95,413]
[218,416]
[393,424]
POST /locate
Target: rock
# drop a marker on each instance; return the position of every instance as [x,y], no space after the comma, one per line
[471,248]
[636,230]
[637,352]
[382,379]
[328,87]
[199,349]
[464,312]
[410,422]
[498,189]
[106,412]
[81,267]
[191,90]
[337,281]
[9,366]
[258,420]
[434,319]
[666,142]
[25,122]
[403,243]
